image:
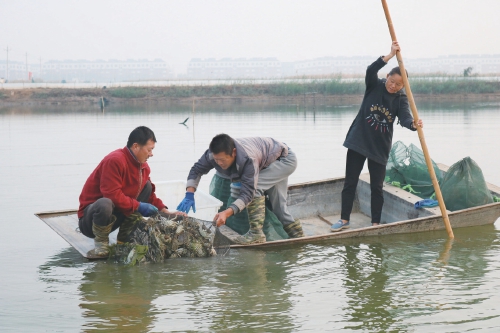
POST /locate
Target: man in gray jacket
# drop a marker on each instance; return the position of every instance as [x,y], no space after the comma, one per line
[261,166]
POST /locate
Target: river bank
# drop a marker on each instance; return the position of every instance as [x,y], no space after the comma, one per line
[332,92]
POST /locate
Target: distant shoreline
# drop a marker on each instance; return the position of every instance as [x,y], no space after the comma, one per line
[331,92]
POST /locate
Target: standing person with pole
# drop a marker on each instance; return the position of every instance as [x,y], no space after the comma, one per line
[421,137]
[370,136]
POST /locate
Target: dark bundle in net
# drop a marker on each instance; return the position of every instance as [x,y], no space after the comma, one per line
[162,237]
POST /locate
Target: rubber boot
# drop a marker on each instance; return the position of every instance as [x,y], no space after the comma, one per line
[294,230]
[101,239]
[127,227]
[256,215]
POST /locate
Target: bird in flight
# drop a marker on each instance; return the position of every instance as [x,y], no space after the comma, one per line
[184,122]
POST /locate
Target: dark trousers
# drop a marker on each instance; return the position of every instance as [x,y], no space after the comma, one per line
[353,167]
[100,212]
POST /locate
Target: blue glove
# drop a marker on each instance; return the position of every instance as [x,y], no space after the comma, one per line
[147,209]
[426,203]
[187,203]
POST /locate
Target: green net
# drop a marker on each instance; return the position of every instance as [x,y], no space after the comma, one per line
[273,229]
[220,188]
[464,186]
[407,169]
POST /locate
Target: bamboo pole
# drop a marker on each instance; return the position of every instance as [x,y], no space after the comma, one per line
[420,131]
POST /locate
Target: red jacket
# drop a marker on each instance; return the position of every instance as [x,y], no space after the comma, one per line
[121,178]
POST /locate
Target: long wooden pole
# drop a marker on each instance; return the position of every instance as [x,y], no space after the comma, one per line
[420,131]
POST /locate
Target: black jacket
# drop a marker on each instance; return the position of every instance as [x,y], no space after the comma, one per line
[371,131]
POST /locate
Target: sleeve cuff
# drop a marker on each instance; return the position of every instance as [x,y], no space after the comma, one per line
[192,183]
[235,209]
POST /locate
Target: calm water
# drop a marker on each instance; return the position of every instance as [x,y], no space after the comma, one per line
[406,283]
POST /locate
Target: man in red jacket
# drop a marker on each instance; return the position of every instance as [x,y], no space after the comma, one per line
[119,192]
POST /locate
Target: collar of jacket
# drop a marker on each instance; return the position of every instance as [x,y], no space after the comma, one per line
[130,155]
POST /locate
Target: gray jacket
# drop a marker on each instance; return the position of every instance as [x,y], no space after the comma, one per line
[252,155]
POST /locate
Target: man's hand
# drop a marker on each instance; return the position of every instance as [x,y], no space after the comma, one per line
[220,218]
[175,216]
[166,211]
[187,203]
[147,209]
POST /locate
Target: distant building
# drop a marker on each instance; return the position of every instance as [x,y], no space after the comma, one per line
[16,71]
[240,68]
[456,64]
[105,71]
[332,65]
[228,68]
[288,69]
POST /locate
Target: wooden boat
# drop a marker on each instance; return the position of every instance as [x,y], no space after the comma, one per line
[317,204]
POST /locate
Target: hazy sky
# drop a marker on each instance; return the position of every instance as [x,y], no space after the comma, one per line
[177,31]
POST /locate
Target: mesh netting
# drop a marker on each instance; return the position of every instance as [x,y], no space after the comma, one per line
[273,229]
[407,169]
[464,186]
[163,237]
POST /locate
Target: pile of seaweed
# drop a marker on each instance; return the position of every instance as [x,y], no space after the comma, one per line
[162,237]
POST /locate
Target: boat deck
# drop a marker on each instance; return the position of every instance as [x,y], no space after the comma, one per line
[65,223]
[320,225]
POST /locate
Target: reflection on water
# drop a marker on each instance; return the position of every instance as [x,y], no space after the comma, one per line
[366,277]
[389,284]
[402,283]
[247,289]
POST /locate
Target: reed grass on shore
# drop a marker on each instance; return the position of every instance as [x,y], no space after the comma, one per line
[452,86]
[330,87]
[321,87]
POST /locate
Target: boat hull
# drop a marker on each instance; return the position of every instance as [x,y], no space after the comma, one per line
[317,204]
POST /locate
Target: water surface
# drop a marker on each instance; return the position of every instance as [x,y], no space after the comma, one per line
[406,283]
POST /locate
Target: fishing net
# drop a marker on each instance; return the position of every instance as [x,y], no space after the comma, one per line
[406,168]
[464,186]
[162,237]
[273,229]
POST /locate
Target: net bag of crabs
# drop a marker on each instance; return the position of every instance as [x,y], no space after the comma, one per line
[164,237]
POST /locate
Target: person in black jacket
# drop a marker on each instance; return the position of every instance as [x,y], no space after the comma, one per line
[370,135]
